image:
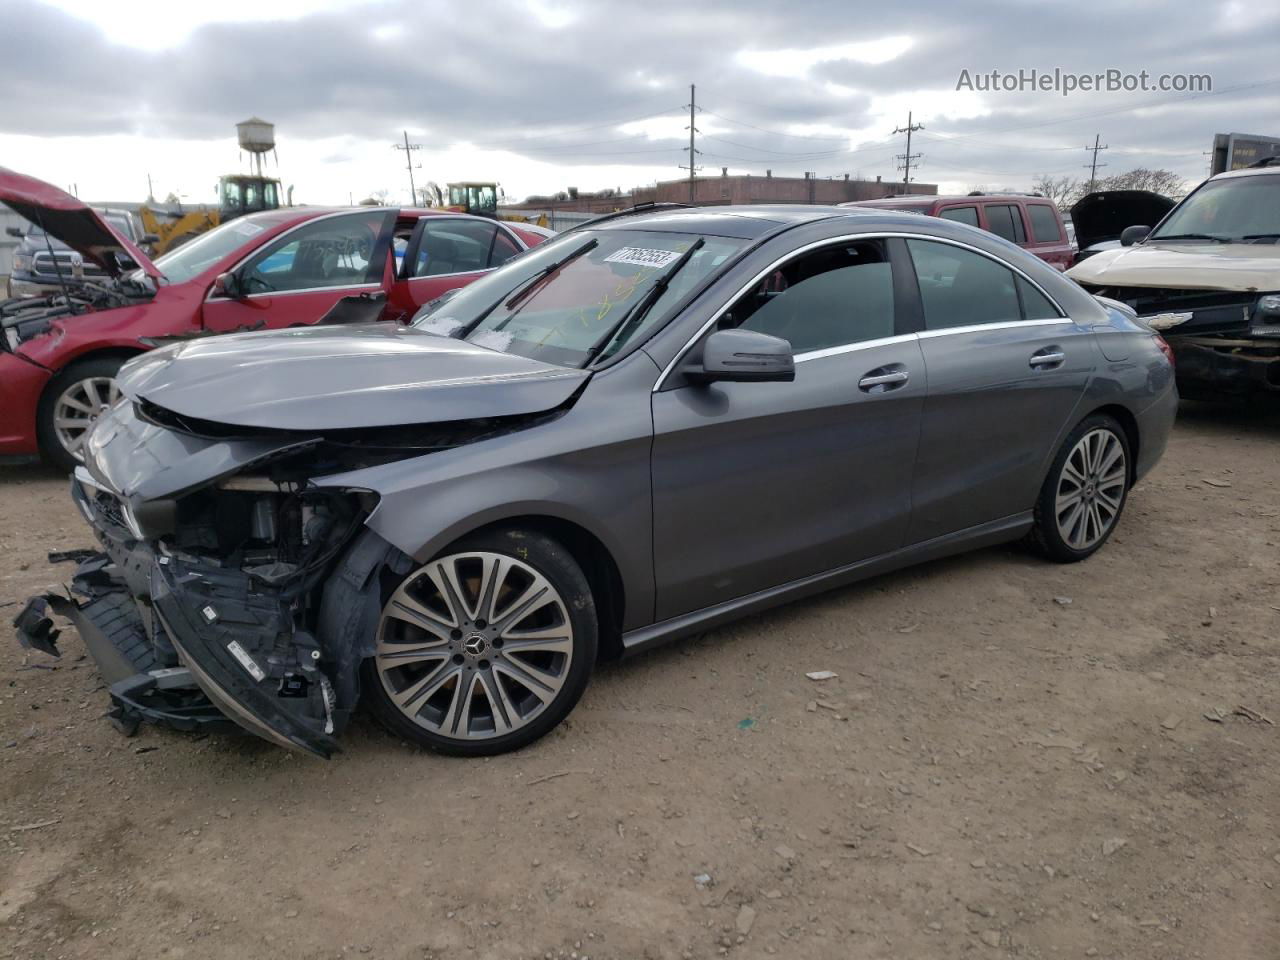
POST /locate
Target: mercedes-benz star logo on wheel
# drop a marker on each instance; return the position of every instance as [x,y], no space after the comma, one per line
[475,645]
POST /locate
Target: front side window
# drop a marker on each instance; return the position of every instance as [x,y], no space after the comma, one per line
[1005,220]
[581,296]
[329,252]
[960,288]
[453,246]
[967,215]
[1044,223]
[835,296]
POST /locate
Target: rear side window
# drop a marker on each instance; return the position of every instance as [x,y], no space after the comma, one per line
[1044,223]
[960,288]
[835,296]
[1005,220]
[967,215]
[1035,305]
[453,246]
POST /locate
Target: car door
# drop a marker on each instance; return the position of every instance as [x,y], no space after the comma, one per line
[759,484]
[444,253]
[1007,371]
[298,276]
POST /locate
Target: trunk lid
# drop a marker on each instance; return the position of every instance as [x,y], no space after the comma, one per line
[74,223]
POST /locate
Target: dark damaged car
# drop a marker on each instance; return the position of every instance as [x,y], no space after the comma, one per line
[643,429]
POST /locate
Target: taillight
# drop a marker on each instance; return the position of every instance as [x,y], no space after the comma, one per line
[1163,344]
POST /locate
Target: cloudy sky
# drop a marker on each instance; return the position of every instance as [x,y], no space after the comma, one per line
[545,94]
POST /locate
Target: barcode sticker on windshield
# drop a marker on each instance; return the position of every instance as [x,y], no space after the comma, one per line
[642,256]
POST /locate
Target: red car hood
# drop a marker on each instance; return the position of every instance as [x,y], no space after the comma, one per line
[78,226]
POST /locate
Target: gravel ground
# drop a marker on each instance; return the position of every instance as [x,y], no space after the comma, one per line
[1016,759]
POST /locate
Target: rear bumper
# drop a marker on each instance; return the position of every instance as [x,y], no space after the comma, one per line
[21,384]
[1218,366]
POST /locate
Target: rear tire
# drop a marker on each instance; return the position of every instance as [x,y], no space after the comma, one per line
[1085,492]
[71,404]
[485,648]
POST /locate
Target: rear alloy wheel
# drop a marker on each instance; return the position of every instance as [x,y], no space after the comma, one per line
[72,404]
[485,648]
[1085,492]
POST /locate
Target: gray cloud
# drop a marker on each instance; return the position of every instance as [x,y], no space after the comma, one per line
[501,78]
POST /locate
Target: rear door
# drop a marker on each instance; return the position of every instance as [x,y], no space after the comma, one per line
[1007,370]
[1005,220]
[299,275]
[444,253]
[759,484]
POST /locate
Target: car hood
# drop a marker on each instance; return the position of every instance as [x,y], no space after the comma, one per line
[1245,267]
[1104,215]
[338,378]
[74,223]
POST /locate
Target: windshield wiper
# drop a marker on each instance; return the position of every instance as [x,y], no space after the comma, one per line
[631,319]
[521,290]
[1261,236]
[1193,236]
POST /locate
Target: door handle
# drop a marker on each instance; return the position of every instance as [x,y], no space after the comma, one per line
[1048,358]
[883,379]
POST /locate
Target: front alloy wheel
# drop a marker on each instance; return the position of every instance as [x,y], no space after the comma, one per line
[486,647]
[71,404]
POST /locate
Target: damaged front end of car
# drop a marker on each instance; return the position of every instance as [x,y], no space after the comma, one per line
[232,581]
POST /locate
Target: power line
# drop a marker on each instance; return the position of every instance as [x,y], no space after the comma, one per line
[776,133]
[563,130]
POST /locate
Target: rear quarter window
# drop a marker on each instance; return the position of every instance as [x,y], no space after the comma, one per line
[1044,223]
[967,215]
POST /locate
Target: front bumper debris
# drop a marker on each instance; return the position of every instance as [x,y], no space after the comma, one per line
[1221,365]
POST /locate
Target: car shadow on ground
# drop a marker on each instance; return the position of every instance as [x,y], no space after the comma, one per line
[1257,416]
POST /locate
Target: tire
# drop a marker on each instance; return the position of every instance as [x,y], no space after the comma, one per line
[476,685]
[80,382]
[1085,492]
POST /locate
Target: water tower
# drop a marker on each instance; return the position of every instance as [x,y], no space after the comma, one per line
[258,138]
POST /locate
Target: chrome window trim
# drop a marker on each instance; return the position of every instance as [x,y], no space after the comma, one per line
[209,297]
[680,354]
[853,347]
[289,293]
[456,273]
[998,325]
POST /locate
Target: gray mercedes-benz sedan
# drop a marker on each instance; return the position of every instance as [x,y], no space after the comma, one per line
[644,428]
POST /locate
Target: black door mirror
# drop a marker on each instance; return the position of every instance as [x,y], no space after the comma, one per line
[1135,234]
[150,238]
[744,356]
[14,232]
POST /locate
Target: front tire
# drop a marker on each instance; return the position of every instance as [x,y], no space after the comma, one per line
[1085,491]
[486,648]
[71,404]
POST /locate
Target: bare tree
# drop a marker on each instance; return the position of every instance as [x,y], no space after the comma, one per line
[1164,182]
[1063,191]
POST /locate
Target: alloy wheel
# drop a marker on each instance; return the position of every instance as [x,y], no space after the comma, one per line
[78,408]
[474,645]
[1091,489]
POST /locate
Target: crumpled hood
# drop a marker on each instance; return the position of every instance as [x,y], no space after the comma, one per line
[77,225]
[1104,215]
[1246,267]
[337,378]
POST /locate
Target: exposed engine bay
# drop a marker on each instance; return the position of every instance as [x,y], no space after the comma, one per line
[24,318]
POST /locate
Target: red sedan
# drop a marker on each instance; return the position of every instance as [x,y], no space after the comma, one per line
[59,354]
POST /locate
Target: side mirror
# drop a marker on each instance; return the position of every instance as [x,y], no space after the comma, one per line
[744,356]
[228,285]
[1135,234]
[150,238]
[15,232]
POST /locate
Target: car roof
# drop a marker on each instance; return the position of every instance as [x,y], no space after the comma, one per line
[915,200]
[743,222]
[1248,172]
[294,215]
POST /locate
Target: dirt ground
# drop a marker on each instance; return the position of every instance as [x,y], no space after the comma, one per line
[1016,759]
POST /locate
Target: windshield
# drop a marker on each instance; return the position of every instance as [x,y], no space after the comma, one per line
[206,250]
[1234,208]
[560,317]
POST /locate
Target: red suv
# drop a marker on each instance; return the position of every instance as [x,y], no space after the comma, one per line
[59,354]
[1033,223]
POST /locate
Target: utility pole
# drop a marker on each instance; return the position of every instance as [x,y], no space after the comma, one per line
[408,149]
[693,151]
[151,194]
[1093,167]
[907,157]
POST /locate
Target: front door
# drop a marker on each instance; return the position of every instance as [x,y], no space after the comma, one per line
[297,277]
[759,484]
[1006,372]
